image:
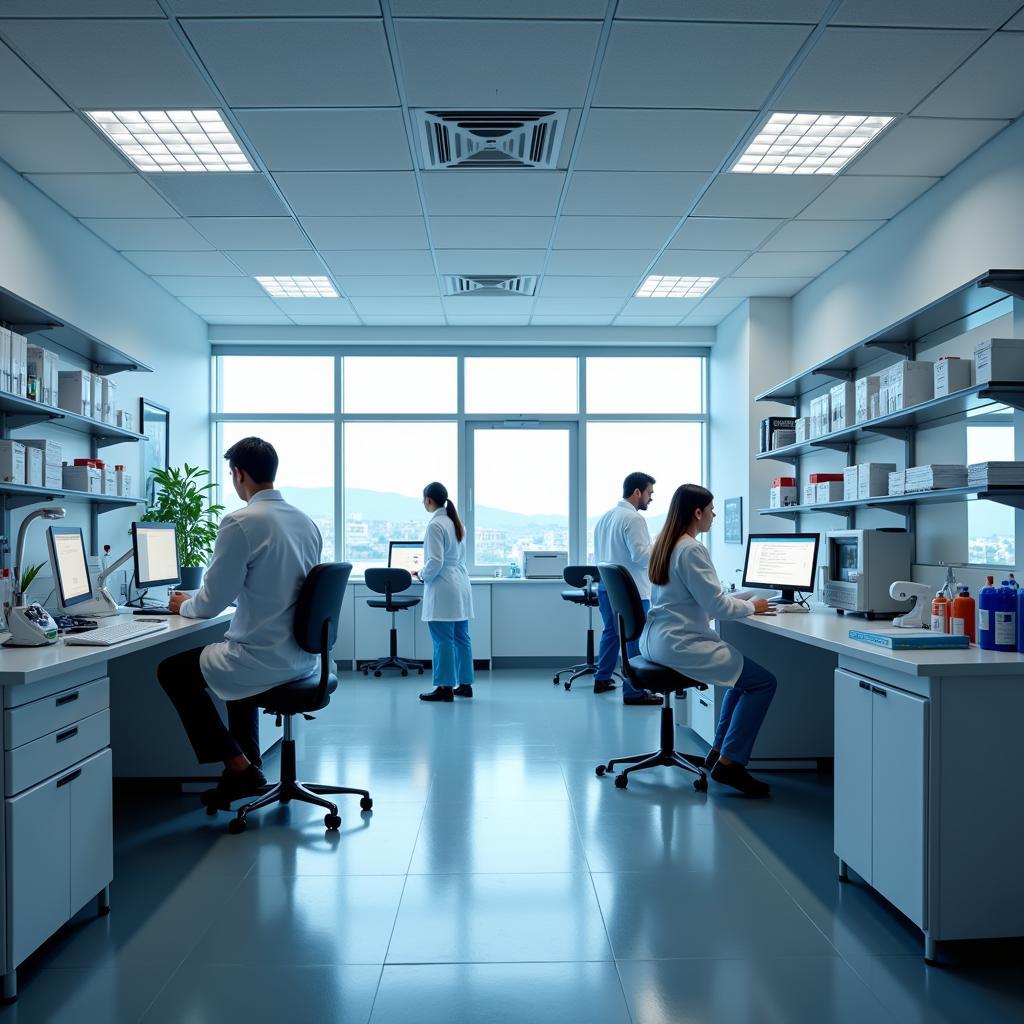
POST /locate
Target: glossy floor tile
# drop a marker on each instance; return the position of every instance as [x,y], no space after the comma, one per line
[497,879]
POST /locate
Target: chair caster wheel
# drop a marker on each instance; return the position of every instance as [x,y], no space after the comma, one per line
[366,671]
[568,686]
[332,822]
[621,781]
[405,672]
[600,771]
[366,803]
[701,785]
[420,671]
[376,675]
[555,680]
[236,826]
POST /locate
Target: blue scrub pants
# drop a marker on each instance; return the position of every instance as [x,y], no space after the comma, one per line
[743,711]
[453,653]
[608,653]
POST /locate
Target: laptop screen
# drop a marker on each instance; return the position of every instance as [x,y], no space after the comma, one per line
[406,554]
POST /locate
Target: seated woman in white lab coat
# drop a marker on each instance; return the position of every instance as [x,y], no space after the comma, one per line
[447,597]
[685,596]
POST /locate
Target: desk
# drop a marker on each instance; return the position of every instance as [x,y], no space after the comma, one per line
[56,832]
[927,763]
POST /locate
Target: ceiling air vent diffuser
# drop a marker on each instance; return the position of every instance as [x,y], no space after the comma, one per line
[499,139]
[488,284]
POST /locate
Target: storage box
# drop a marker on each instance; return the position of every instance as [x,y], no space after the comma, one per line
[810,494]
[830,490]
[19,365]
[935,476]
[906,383]
[803,429]
[952,374]
[53,475]
[782,492]
[782,439]
[96,396]
[12,462]
[83,478]
[109,477]
[999,359]
[866,398]
[124,482]
[898,482]
[843,404]
[108,409]
[124,419]
[5,359]
[34,467]
[873,479]
[821,414]
[53,451]
[45,366]
[74,391]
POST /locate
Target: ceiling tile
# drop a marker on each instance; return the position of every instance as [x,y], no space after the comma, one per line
[81,9]
[990,84]
[592,9]
[600,262]
[108,63]
[366,232]
[547,320]
[578,306]
[409,320]
[587,286]
[851,197]
[490,261]
[925,145]
[926,13]
[190,264]
[262,321]
[488,321]
[492,193]
[617,139]
[614,232]
[723,10]
[699,262]
[821,235]
[55,142]
[242,287]
[251,232]
[702,321]
[337,320]
[23,88]
[647,321]
[761,195]
[371,306]
[503,65]
[633,193]
[276,262]
[660,307]
[664,64]
[227,306]
[760,286]
[723,233]
[220,195]
[485,232]
[395,261]
[788,264]
[874,71]
[350,193]
[148,233]
[102,195]
[328,140]
[315,307]
[390,284]
[488,305]
[306,62]
[717,305]
[298,8]
[1016,23]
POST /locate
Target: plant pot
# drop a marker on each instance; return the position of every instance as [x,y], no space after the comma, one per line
[192,578]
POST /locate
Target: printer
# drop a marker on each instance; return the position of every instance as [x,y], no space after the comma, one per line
[544,565]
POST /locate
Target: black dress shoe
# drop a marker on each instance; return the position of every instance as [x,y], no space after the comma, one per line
[711,759]
[644,698]
[603,685]
[444,693]
[463,690]
[740,779]
[233,784]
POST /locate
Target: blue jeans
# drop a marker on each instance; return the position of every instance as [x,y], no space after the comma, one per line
[453,653]
[743,711]
[608,654]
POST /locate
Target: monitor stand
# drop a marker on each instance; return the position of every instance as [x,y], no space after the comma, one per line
[101,605]
[785,597]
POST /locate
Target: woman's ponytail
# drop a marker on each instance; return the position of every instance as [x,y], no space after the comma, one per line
[438,493]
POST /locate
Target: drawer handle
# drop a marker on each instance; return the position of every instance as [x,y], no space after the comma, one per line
[66,699]
[864,686]
[879,691]
[70,777]
[703,702]
[67,734]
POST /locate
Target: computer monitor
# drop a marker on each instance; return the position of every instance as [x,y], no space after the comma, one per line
[781,561]
[156,554]
[70,566]
[406,554]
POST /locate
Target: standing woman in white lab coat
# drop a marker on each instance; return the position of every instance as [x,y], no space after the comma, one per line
[685,596]
[447,597]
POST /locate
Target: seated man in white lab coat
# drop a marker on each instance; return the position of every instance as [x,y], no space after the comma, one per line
[263,554]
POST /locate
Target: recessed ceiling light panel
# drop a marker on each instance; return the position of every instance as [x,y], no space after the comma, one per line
[663,287]
[808,143]
[172,140]
[298,287]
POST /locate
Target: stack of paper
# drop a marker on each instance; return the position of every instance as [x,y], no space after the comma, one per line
[935,476]
[993,474]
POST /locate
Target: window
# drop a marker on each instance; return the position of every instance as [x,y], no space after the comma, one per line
[521,384]
[272,384]
[654,384]
[410,384]
[990,526]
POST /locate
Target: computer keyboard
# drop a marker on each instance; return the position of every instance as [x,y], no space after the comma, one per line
[107,636]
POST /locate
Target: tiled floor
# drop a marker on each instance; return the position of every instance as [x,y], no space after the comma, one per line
[498,881]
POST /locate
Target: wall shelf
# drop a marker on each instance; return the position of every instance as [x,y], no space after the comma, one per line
[23,412]
[1013,496]
[20,495]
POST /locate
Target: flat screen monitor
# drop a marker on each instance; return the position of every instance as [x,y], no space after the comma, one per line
[781,561]
[406,554]
[156,554]
[70,566]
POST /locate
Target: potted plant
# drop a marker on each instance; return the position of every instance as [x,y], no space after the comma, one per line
[183,498]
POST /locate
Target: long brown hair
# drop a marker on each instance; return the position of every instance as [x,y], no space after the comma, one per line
[438,494]
[688,498]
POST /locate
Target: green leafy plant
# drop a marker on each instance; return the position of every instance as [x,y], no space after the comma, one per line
[28,576]
[183,498]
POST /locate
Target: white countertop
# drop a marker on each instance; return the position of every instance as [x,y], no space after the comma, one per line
[823,628]
[358,580]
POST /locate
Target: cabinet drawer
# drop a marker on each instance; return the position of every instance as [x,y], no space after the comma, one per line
[91,813]
[702,713]
[54,713]
[32,762]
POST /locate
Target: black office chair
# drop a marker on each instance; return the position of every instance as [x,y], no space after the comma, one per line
[316,629]
[390,582]
[583,580]
[643,674]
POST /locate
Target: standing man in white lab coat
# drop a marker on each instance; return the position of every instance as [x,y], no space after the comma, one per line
[622,538]
[263,554]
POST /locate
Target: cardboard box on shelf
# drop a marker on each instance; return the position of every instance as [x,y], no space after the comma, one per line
[53,451]
[873,479]
[45,367]
[999,359]
[906,383]
[782,492]
[952,374]
[12,462]
[829,490]
[843,403]
[898,482]
[866,398]
[5,359]
[850,483]
[109,480]
[810,494]
[53,475]
[34,467]
[19,365]
[124,419]
[74,391]
[83,478]
[803,429]
[124,482]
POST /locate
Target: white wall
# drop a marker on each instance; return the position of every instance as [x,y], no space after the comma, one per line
[49,259]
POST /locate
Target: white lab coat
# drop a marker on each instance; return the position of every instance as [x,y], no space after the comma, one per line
[262,556]
[622,538]
[447,595]
[678,633]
